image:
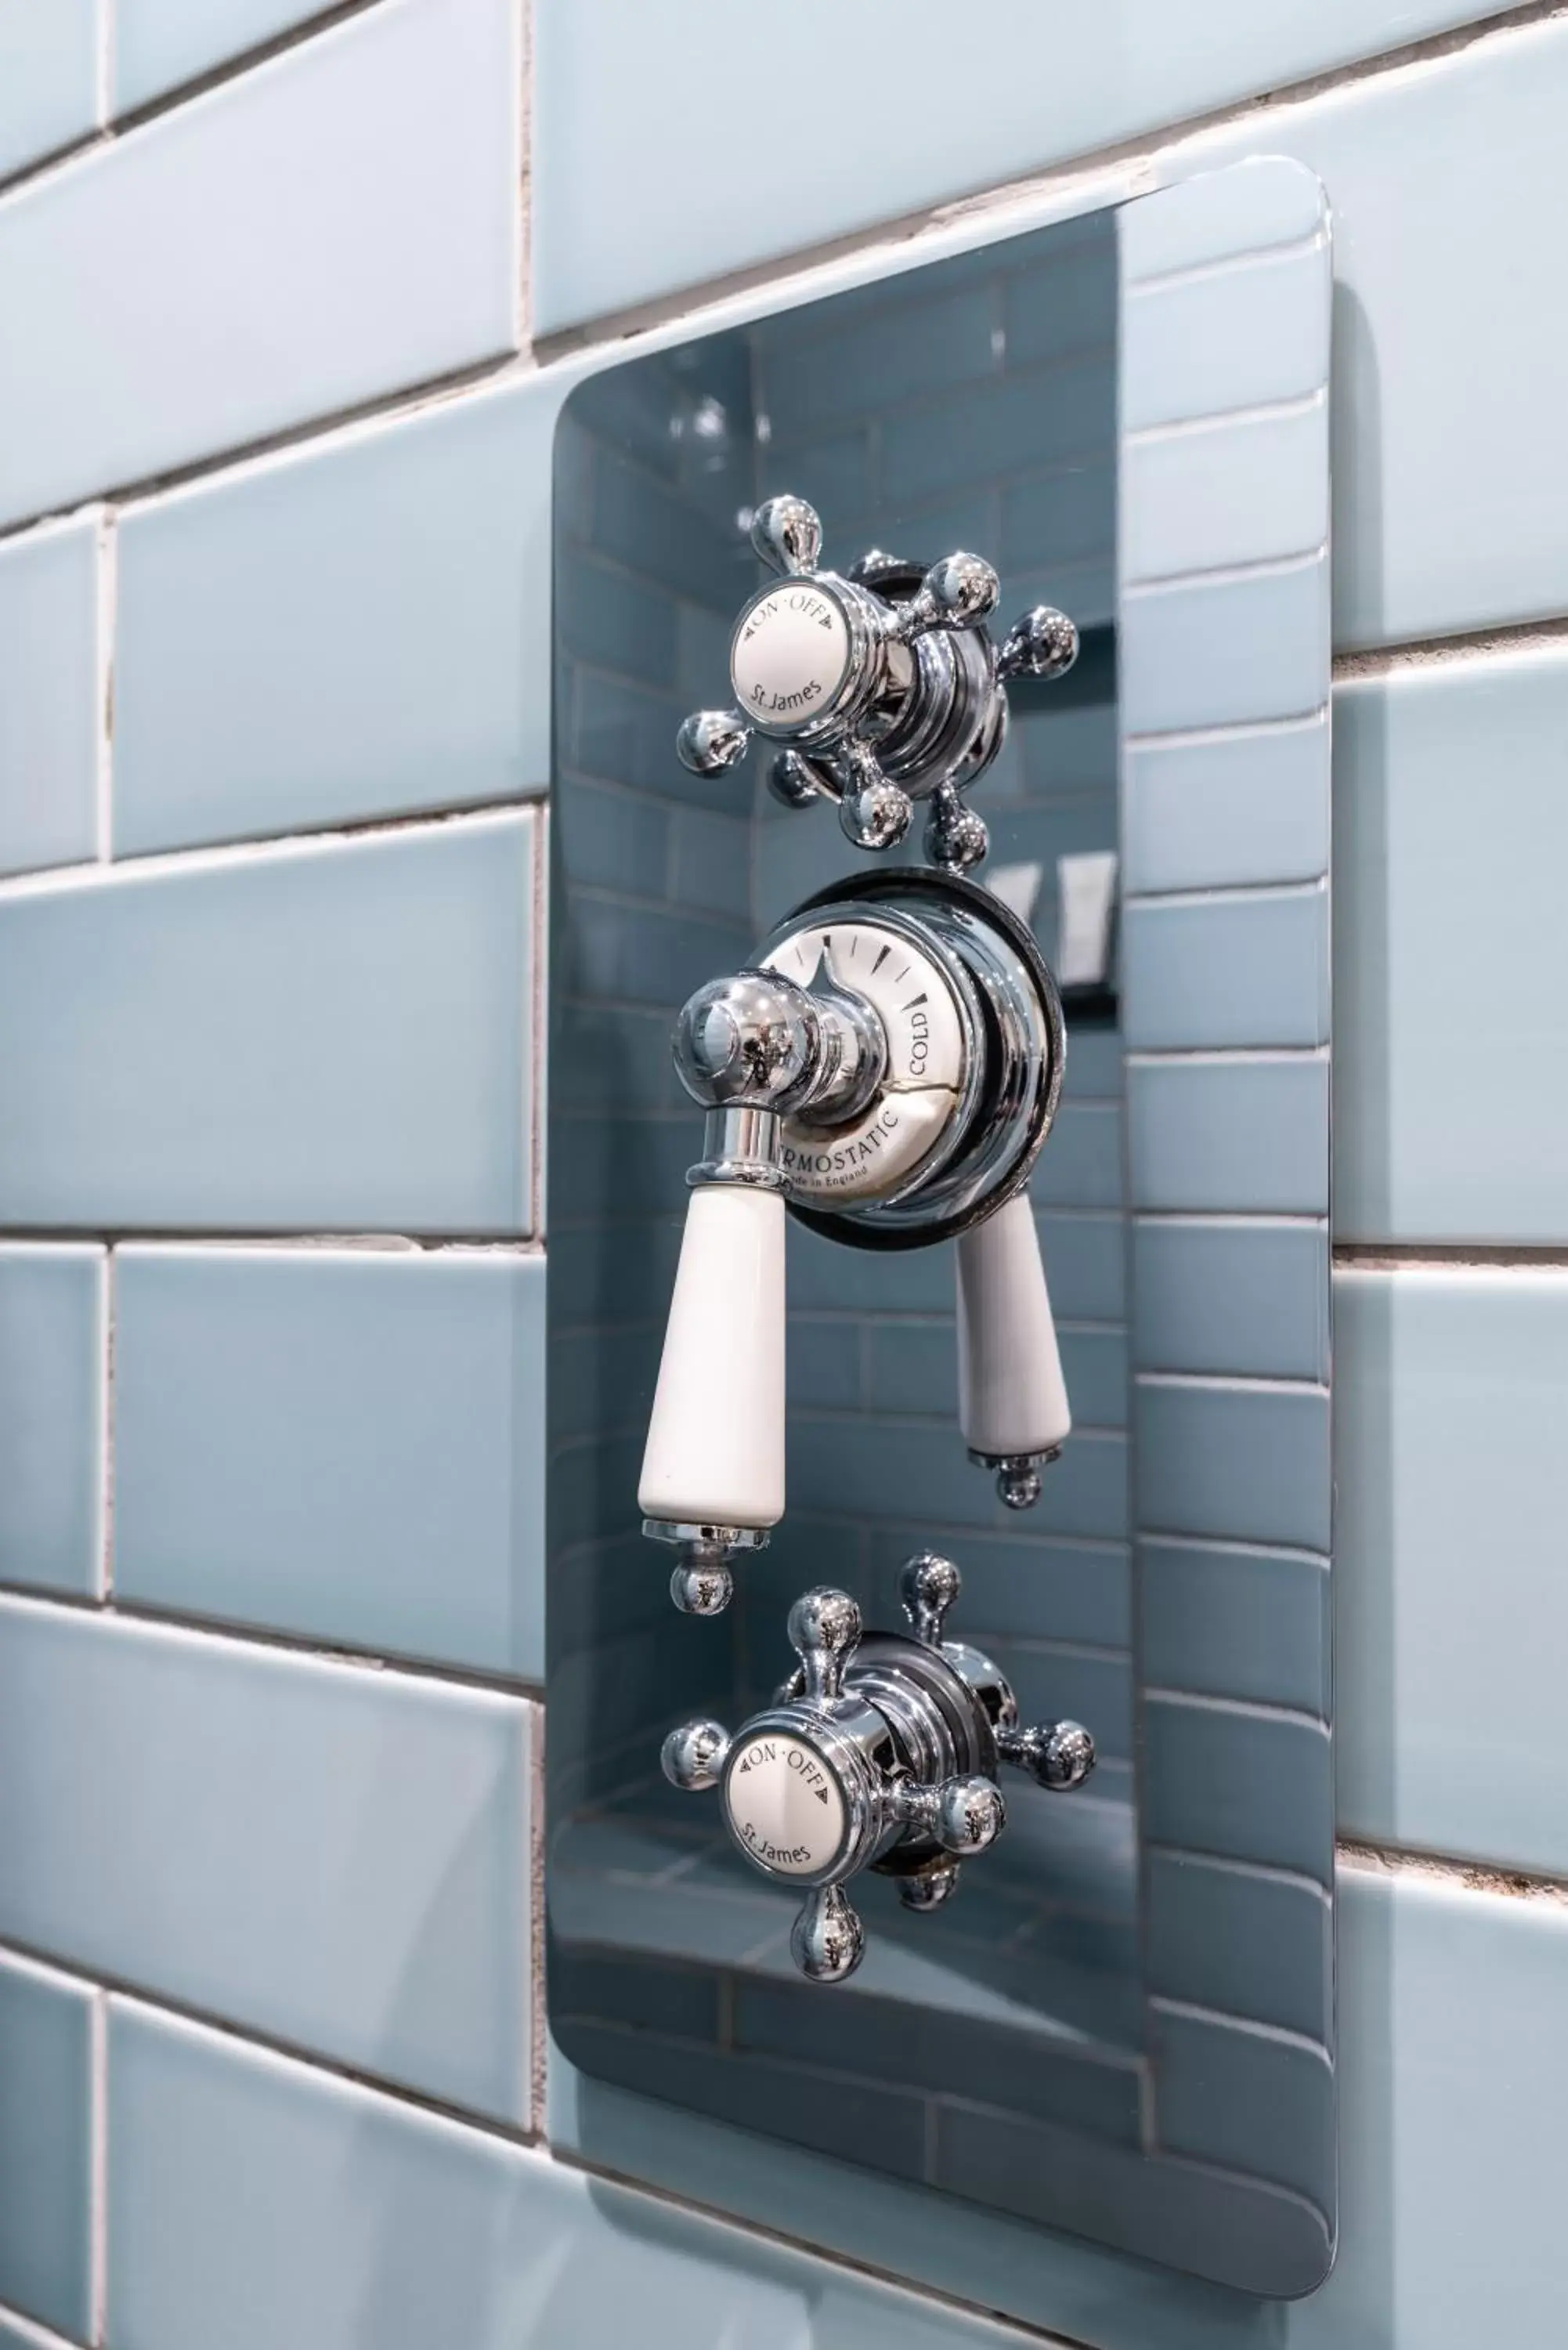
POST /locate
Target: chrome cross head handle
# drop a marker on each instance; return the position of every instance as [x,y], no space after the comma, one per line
[880,1753]
[882,684]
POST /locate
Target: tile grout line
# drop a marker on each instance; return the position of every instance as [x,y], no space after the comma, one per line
[104,60]
[609,334]
[524,21]
[1063,179]
[537,2003]
[112,1987]
[356,420]
[1367,1858]
[206,857]
[1498,642]
[267,1236]
[97,2253]
[107,1432]
[107,586]
[110,127]
[1448,1256]
[538,1090]
[268,1639]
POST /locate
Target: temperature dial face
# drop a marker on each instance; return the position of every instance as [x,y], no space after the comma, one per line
[785,1806]
[918,1101]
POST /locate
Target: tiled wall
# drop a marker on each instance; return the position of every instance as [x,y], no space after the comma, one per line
[269,1175]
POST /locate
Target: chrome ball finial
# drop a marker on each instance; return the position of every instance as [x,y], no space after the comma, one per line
[1058,1755]
[956,839]
[823,1628]
[964,590]
[971,1813]
[827,1940]
[711,741]
[702,1587]
[692,1756]
[928,1584]
[787,534]
[1042,642]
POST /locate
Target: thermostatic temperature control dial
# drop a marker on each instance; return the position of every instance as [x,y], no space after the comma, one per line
[912,1117]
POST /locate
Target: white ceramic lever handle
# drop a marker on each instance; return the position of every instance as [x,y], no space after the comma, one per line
[1012,1398]
[715,1453]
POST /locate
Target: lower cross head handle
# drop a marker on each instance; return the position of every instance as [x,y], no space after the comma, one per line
[881,1753]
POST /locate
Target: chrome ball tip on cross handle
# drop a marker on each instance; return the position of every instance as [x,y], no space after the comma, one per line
[881,1752]
[882,685]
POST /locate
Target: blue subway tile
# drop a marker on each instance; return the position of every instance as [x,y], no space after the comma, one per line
[333,1856]
[1046,1590]
[1062,517]
[875,2032]
[1408,749]
[343,1445]
[1241,337]
[1050,1682]
[1221,810]
[1242,1940]
[1094,1071]
[1013,424]
[642,954]
[868,350]
[1244,969]
[858,1465]
[1451,1608]
[1085,1265]
[1239,1782]
[1081,1165]
[1225,652]
[367,2219]
[354,630]
[710,862]
[1064,752]
[53,1356]
[1244,1460]
[1232,1295]
[639,522]
[1212,494]
[48,78]
[603,614]
[165,263]
[1409,228]
[1053,314]
[622,216]
[335,1036]
[46,2146]
[159,44]
[1214,218]
[619,840]
[1227,1621]
[1243,1133]
[1247,2098]
[49,697]
[620,732]
[832,471]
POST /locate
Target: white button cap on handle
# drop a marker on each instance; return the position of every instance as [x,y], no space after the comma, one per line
[716,1452]
[1012,1398]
